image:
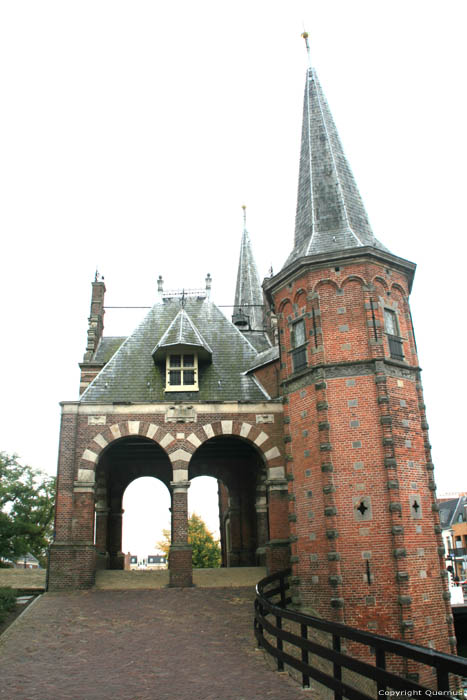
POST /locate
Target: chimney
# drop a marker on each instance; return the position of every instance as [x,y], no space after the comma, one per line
[96,318]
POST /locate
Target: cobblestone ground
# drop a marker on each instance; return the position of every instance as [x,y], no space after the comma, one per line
[168,644]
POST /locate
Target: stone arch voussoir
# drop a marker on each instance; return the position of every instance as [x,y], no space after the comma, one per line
[257,437]
[116,431]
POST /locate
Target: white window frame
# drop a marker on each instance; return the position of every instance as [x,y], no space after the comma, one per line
[193,367]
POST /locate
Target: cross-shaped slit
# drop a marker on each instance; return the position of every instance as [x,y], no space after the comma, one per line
[362,508]
[415,506]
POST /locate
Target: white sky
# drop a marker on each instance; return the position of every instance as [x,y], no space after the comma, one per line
[132,133]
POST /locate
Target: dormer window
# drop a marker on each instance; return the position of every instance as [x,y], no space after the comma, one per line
[182,372]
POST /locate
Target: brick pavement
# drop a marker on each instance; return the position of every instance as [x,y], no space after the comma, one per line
[167,644]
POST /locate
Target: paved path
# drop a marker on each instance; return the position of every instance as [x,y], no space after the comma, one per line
[167,644]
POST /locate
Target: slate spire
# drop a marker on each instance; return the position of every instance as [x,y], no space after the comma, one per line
[330,212]
[248,311]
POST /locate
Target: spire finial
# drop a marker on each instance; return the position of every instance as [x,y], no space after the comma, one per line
[244,215]
[307,44]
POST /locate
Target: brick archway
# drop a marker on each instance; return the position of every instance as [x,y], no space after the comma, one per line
[117,431]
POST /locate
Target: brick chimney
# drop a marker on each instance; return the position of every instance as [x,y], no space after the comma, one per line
[90,369]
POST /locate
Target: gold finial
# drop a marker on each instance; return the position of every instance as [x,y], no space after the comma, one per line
[307,44]
[244,215]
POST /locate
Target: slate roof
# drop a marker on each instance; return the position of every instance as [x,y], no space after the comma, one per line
[107,347]
[447,510]
[330,213]
[182,331]
[265,357]
[131,375]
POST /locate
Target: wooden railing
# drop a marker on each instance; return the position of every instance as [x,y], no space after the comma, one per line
[271,616]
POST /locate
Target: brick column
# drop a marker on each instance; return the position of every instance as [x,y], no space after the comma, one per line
[180,565]
[102,522]
[262,528]
[234,555]
[278,547]
[116,556]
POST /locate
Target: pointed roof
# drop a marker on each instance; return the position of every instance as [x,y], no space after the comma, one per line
[182,331]
[330,213]
[248,292]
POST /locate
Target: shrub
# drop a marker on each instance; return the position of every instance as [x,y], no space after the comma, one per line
[7,601]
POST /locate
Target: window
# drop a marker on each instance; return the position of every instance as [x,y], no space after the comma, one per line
[298,334]
[182,372]
[392,331]
[298,338]
[390,322]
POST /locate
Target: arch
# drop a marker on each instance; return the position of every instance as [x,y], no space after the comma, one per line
[325,282]
[354,278]
[377,279]
[241,469]
[283,305]
[121,462]
[146,506]
[299,293]
[399,288]
[112,433]
[258,438]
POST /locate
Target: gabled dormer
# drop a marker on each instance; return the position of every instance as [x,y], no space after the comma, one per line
[182,349]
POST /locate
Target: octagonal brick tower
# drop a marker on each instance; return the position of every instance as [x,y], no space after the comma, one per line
[366,543]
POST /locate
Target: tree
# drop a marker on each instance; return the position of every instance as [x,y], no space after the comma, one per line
[26,509]
[206,550]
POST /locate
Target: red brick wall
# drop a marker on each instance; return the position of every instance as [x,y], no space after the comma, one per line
[268,377]
[356,436]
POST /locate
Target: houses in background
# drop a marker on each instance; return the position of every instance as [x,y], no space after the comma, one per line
[150,562]
[453,518]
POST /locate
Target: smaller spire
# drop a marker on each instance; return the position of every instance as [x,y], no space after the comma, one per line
[248,304]
[308,50]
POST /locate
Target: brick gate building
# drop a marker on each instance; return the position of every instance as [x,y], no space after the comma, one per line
[307,407]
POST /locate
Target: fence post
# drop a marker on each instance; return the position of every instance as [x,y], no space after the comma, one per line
[279,644]
[305,659]
[381,663]
[336,645]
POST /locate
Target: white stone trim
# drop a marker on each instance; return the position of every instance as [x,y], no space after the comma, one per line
[152,430]
[276,473]
[86,476]
[180,475]
[101,441]
[133,427]
[166,440]
[272,453]
[181,455]
[194,439]
[245,429]
[89,456]
[262,437]
[115,430]
[208,430]
[75,407]
[227,426]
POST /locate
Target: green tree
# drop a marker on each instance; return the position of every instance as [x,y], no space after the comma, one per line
[206,550]
[26,509]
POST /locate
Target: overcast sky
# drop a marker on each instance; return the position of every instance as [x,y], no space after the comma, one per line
[132,132]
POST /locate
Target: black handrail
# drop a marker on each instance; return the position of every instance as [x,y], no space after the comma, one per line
[444,664]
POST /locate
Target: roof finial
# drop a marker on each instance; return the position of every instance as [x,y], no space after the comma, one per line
[244,215]
[307,44]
